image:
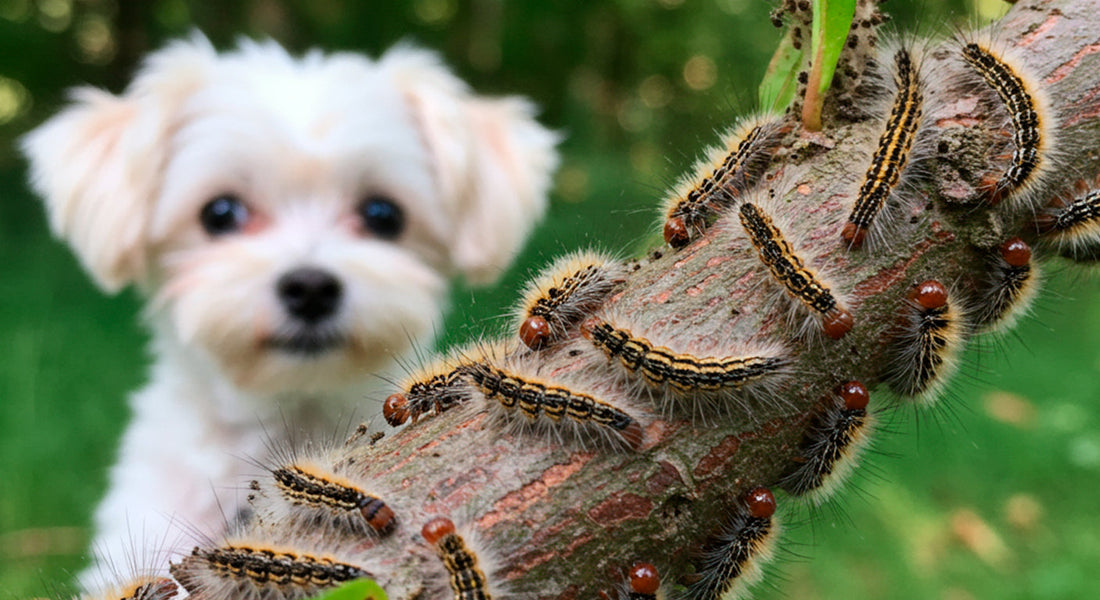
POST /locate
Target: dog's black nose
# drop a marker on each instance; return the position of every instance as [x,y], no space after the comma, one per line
[309,293]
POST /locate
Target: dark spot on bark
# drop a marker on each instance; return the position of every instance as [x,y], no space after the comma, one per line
[672,509]
[666,475]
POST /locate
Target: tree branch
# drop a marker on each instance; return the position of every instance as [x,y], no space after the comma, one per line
[563,522]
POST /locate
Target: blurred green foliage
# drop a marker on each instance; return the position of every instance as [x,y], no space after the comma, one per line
[360,589]
[994,500]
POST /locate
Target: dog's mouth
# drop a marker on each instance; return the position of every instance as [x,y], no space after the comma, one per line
[308,343]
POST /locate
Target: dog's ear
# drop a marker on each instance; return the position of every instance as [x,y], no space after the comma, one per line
[98,163]
[493,161]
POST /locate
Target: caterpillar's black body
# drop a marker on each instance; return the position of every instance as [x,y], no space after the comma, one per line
[892,151]
[684,372]
[534,398]
[247,571]
[788,268]
[307,486]
[1024,109]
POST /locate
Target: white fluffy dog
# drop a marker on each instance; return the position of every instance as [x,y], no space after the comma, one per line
[294,222]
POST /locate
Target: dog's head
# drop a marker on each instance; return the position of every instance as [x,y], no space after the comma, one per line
[295,219]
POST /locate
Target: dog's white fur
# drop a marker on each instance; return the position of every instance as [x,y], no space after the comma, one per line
[301,141]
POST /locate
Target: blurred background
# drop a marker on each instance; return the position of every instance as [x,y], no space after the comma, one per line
[993,498]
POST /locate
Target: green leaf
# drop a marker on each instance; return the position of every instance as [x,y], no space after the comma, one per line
[360,589]
[780,82]
[832,20]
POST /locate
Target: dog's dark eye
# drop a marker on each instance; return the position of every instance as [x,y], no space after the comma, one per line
[224,214]
[382,217]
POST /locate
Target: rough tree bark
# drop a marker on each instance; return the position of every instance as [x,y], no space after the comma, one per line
[564,521]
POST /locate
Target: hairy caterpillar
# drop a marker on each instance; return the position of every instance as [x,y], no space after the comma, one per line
[1032,121]
[563,294]
[927,348]
[790,271]
[734,562]
[683,372]
[433,388]
[1011,287]
[892,152]
[252,571]
[534,398]
[1072,224]
[832,446]
[318,498]
[467,578]
[727,172]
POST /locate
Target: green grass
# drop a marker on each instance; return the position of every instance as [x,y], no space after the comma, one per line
[69,357]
